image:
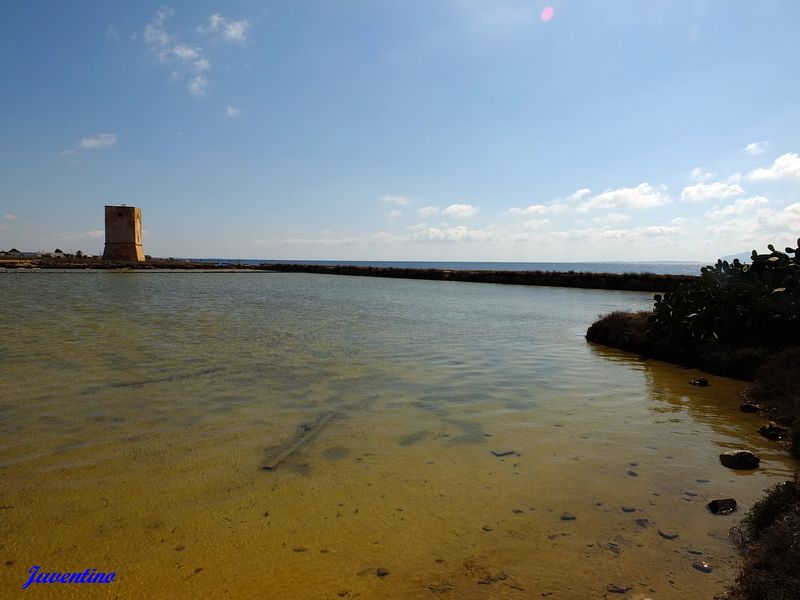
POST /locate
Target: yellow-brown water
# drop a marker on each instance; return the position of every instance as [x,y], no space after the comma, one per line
[136,411]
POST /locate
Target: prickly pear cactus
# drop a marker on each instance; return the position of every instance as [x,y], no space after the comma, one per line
[737,304]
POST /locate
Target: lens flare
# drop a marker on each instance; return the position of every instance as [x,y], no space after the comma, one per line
[547,13]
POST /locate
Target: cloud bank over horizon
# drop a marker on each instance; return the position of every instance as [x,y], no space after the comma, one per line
[461,130]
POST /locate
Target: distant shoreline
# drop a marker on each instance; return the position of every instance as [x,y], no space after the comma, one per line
[639,282]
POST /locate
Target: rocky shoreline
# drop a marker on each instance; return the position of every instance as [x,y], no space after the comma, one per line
[769,535]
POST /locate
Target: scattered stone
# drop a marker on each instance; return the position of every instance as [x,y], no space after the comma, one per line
[700,382]
[613,588]
[695,552]
[381,572]
[487,528]
[501,453]
[739,459]
[668,534]
[299,549]
[628,509]
[633,474]
[568,516]
[492,578]
[517,511]
[643,523]
[724,506]
[703,480]
[440,588]
[614,547]
[773,432]
[749,407]
[702,566]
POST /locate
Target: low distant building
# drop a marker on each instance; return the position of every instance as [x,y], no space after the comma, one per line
[14,253]
[124,234]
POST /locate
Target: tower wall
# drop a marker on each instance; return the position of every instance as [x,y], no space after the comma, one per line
[124,234]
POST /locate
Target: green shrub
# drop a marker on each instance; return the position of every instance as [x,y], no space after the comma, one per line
[736,304]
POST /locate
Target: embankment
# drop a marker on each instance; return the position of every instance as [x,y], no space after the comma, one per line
[634,282]
[638,282]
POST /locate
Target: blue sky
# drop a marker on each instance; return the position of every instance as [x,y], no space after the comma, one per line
[403,130]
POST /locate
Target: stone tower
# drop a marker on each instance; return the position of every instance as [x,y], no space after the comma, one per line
[123,233]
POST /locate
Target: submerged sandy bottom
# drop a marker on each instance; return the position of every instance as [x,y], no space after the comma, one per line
[138,449]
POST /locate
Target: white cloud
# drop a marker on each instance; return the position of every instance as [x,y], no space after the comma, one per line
[755,229]
[786,166]
[735,178]
[309,241]
[658,230]
[187,53]
[615,217]
[535,223]
[427,212]
[232,112]
[155,32]
[539,209]
[600,234]
[460,211]
[737,208]
[579,195]
[399,200]
[756,148]
[735,229]
[679,221]
[188,61]
[642,196]
[197,85]
[234,31]
[786,221]
[393,215]
[452,234]
[701,192]
[700,175]
[100,140]
[9,216]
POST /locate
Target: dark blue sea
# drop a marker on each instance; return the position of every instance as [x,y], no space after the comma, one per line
[660,268]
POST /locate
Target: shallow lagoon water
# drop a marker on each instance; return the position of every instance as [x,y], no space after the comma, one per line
[137,409]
